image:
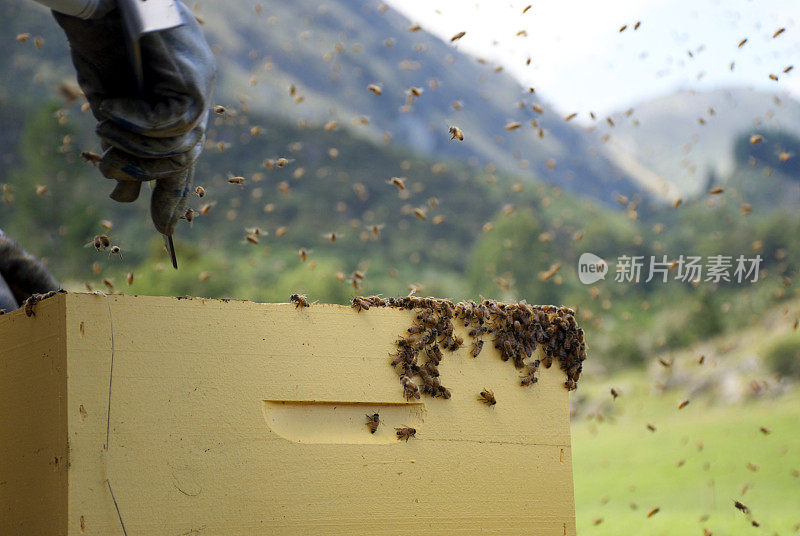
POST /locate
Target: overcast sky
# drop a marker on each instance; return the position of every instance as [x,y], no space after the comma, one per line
[582,62]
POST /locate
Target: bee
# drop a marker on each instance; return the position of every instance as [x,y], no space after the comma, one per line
[526,9]
[405,433]
[786,70]
[219,109]
[683,404]
[415,28]
[397,181]
[332,236]
[303,252]
[331,125]
[100,242]
[129,278]
[420,213]
[376,89]
[41,189]
[200,191]
[456,134]
[636,26]
[89,156]
[701,360]
[236,180]
[299,300]
[715,191]
[756,138]
[23,37]
[458,36]
[623,28]
[570,116]
[514,125]
[252,238]
[115,250]
[372,422]
[741,507]
[653,512]
[614,393]
[664,363]
[651,427]
[108,283]
[487,397]
[773,77]
[360,304]
[30,303]
[477,347]
[778,32]
[415,91]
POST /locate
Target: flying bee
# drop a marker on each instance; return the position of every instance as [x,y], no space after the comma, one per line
[236,180]
[420,213]
[683,404]
[397,181]
[614,393]
[200,191]
[299,300]
[487,397]
[742,507]
[115,250]
[651,427]
[100,242]
[456,134]
[405,433]
[372,422]
[332,236]
[653,512]
[219,109]
[108,283]
[252,238]
[129,278]
[459,35]
[303,254]
[715,191]
[375,88]
[89,156]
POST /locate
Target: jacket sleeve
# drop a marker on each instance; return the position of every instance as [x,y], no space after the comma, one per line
[84,9]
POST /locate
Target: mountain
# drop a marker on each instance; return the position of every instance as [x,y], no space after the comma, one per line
[675,142]
[330,53]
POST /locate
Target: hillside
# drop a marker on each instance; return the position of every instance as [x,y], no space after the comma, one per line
[664,142]
[330,53]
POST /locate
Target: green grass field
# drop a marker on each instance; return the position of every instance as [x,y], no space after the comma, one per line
[693,467]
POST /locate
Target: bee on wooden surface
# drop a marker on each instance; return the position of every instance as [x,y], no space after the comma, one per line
[410,389]
[487,397]
[92,158]
[30,304]
[372,422]
[477,347]
[405,433]
[456,134]
[360,304]
[299,300]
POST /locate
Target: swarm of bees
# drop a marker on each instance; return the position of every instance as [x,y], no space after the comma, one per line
[517,330]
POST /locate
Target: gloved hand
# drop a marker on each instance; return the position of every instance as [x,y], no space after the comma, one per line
[158,134]
[21,275]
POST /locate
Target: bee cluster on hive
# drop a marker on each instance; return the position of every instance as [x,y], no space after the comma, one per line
[516,330]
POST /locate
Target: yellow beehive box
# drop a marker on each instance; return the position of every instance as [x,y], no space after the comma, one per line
[162,416]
